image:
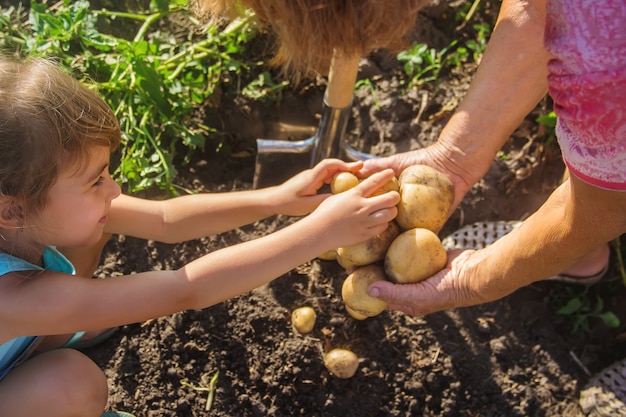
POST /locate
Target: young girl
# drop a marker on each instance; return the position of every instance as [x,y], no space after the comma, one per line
[59,205]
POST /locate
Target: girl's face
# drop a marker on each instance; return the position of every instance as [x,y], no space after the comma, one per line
[79,203]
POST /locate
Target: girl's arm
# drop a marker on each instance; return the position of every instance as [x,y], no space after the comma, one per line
[194,216]
[55,303]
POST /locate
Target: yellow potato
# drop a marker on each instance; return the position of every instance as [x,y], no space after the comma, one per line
[329,255]
[355,315]
[342,363]
[391,185]
[303,319]
[426,196]
[414,255]
[343,181]
[354,292]
[370,251]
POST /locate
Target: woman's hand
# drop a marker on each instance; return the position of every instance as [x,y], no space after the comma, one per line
[448,289]
[434,156]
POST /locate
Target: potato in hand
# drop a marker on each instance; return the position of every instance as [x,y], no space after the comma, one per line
[414,255]
[426,196]
[359,303]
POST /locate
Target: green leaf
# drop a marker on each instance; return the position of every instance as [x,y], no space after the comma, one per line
[571,307]
[610,319]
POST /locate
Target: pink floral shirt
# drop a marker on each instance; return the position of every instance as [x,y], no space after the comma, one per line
[587,81]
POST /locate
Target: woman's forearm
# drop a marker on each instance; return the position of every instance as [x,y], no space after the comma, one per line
[509,82]
[574,220]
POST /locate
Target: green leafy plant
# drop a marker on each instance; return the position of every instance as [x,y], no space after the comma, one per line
[368,85]
[548,121]
[207,386]
[423,64]
[154,81]
[579,307]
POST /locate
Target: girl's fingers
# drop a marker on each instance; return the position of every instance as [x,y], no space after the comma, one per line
[372,183]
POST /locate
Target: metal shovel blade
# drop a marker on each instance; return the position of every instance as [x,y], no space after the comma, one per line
[279,160]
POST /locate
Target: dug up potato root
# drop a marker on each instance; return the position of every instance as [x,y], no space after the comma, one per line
[358,303]
[342,363]
[367,252]
[343,181]
[426,196]
[303,319]
[414,255]
[409,249]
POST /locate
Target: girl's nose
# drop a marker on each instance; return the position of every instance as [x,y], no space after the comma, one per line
[115,189]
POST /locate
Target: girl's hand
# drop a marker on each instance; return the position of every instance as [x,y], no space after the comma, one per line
[354,216]
[298,195]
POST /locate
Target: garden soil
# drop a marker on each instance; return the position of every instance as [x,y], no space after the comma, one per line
[513,357]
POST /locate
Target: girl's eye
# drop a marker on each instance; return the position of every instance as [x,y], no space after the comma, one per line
[99,181]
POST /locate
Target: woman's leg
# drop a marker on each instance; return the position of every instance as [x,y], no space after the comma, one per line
[61,382]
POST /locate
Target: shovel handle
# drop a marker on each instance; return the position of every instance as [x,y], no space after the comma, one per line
[341,79]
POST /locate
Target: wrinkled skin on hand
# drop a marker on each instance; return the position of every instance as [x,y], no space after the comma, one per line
[435,156]
[450,288]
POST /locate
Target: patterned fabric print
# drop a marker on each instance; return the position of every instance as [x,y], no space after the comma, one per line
[587,81]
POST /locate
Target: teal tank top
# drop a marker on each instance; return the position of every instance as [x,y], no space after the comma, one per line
[15,350]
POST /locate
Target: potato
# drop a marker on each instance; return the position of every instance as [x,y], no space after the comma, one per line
[343,181]
[355,315]
[345,264]
[341,363]
[414,255]
[391,185]
[354,292]
[303,319]
[370,251]
[329,255]
[426,196]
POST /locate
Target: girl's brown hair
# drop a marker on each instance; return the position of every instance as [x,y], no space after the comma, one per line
[48,120]
[308,30]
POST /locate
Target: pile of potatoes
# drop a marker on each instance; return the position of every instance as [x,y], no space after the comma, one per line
[409,250]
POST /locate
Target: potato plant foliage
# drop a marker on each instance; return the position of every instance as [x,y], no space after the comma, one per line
[153,79]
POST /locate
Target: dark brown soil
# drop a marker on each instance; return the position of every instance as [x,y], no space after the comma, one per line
[513,357]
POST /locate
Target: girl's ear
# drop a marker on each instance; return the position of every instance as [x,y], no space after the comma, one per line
[10,212]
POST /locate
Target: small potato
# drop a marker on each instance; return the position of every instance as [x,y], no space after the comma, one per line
[391,185]
[303,319]
[342,363]
[370,251]
[414,255]
[343,181]
[329,255]
[426,196]
[354,292]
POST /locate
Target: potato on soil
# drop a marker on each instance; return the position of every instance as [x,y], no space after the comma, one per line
[414,255]
[425,198]
[343,181]
[303,319]
[370,251]
[342,363]
[358,303]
